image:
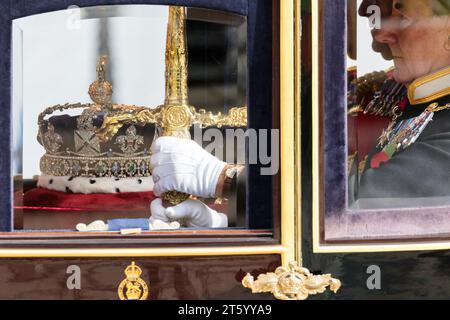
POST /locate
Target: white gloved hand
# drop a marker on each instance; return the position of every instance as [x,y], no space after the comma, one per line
[194,213]
[95,226]
[182,165]
[156,224]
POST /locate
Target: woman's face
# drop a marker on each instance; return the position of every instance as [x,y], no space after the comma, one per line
[417,39]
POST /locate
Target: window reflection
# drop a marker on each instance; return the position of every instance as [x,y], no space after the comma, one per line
[55,60]
[398,101]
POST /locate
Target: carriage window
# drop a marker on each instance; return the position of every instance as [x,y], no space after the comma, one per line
[132,118]
[397,104]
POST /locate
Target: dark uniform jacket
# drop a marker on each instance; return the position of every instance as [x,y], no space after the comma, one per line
[422,169]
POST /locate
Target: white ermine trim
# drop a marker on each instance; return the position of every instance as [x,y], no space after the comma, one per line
[95,185]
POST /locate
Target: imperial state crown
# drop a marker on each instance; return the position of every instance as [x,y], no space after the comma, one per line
[76,157]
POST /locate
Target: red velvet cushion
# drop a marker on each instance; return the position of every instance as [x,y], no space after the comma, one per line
[39,198]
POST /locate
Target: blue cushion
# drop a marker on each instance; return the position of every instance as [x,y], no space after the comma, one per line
[119,224]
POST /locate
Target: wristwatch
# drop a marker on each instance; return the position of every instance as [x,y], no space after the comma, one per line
[230,177]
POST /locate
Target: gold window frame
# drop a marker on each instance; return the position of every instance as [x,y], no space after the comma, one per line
[289,248]
[317,220]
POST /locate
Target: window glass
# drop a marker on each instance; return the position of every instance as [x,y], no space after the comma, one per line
[94,88]
[398,101]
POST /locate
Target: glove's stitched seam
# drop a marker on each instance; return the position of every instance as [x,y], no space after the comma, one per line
[184,154]
[172,163]
[176,174]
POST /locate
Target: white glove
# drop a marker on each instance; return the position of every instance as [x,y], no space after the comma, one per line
[182,165]
[194,213]
[156,224]
[95,226]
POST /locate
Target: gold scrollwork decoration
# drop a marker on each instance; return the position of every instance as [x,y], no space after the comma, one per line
[291,283]
[133,287]
[236,117]
[173,197]
[171,119]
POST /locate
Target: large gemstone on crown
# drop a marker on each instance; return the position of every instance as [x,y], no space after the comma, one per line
[101,168]
[115,169]
[76,168]
[144,167]
[131,168]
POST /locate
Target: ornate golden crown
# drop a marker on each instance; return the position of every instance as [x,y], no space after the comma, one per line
[74,148]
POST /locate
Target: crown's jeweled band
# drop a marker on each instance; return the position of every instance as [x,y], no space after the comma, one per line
[118,167]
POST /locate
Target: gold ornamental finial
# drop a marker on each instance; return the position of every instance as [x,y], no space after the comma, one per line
[101,90]
[101,68]
[176,59]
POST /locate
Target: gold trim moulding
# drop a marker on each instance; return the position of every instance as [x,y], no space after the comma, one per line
[140,252]
[382,247]
[315,125]
[287,125]
[297,129]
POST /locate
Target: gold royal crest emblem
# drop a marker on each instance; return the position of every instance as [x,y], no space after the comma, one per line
[133,287]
